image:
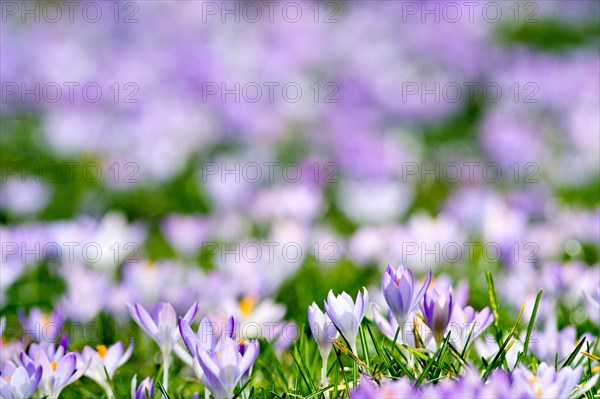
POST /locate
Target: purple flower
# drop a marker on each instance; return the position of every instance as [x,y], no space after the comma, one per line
[470,385]
[186,233]
[389,326]
[8,349]
[550,343]
[347,315]
[437,310]
[40,326]
[323,330]
[549,383]
[139,391]
[205,336]
[368,389]
[223,368]
[19,382]
[592,301]
[163,328]
[470,324]
[398,288]
[59,369]
[104,361]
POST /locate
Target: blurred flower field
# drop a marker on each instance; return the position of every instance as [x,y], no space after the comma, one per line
[313,199]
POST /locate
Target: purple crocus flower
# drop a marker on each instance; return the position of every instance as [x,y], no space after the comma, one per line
[19,382]
[104,361]
[139,391]
[347,315]
[368,389]
[437,309]
[469,324]
[398,288]
[59,369]
[206,336]
[40,326]
[389,326]
[552,343]
[592,301]
[470,385]
[8,349]
[163,328]
[223,368]
[323,330]
[549,383]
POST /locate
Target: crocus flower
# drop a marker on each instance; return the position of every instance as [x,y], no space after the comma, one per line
[205,337]
[139,391]
[592,301]
[105,361]
[398,288]
[283,335]
[470,385]
[206,334]
[549,383]
[437,309]
[323,330]
[389,326]
[19,382]
[163,328]
[42,326]
[551,343]
[9,350]
[223,368]
[347,315]
[59,369]
[368,389]
[469,324]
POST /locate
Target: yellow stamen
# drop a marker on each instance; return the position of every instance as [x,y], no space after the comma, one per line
[8,378]
[218,354]
[247,304]
[46,320]
[101,349]
[241,341]
[53,365]
[537,387]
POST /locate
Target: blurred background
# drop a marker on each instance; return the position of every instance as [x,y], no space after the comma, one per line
[252,156]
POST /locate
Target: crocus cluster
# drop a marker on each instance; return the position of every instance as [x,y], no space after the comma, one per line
[59,367]
[546,383]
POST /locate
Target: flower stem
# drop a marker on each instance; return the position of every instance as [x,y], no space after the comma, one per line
[108,390]
[324,372]
[355,366]
[166,363]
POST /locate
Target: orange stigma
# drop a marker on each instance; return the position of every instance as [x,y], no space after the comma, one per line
[53,365]
[101,349]
[537,387]
[247,304]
